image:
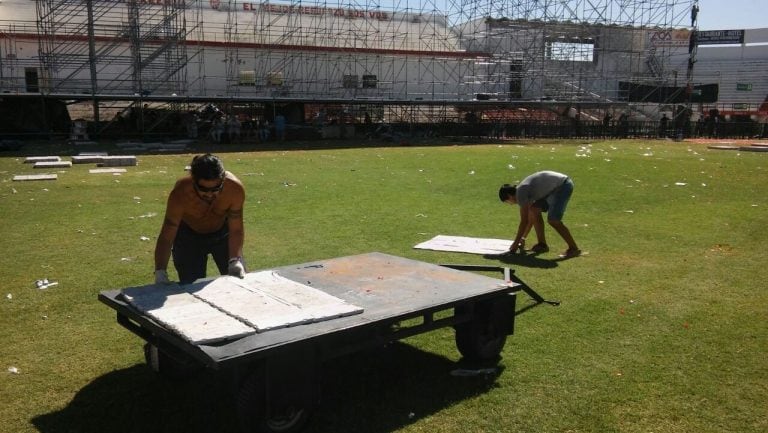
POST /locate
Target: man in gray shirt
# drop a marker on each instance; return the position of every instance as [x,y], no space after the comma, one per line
[542,191]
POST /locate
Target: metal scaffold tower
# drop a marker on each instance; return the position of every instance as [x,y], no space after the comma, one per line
[579,49]
[436,59]
[450,50]
[106,48]
[339,49]
[399,50]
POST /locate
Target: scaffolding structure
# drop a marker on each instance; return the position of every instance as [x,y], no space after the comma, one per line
[105,47]
[453,53]
[449,50]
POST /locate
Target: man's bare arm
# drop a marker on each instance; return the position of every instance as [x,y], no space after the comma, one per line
[236,232]
[173,212]
[525,211]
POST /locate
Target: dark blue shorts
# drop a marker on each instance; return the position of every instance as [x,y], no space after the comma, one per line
[558,200]
[191,249]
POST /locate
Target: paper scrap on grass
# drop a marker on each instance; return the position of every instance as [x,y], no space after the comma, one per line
[260,302]
[462,244]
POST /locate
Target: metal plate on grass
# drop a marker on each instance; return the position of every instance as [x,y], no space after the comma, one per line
[27,177]
[463,244]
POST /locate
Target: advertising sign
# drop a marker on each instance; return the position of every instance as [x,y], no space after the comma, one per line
[669,38]
[717,37]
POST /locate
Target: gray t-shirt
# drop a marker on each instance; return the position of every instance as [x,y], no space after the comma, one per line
[538,185]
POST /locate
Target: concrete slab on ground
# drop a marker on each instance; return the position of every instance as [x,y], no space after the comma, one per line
[754,148]
[118,161]
[34,159]
[27,177]
[53,164]
[723,147]
[107,170]
[87,159]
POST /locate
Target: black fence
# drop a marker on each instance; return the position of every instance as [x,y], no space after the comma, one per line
[406,131]
[568,129]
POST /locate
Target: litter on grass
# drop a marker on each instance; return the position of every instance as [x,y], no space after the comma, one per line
[41,283]
[44,283]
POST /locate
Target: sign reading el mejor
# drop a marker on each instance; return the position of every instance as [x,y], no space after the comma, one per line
[713,37]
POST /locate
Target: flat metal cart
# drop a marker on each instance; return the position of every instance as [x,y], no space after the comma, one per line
[275,372]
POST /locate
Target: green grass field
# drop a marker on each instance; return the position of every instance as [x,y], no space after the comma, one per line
[663,325]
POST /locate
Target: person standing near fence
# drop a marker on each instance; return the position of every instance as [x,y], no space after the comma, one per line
[280,127]
[663,124]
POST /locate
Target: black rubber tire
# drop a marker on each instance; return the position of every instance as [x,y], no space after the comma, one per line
[283,414]
[483,338]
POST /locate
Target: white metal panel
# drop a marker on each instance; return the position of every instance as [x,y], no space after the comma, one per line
[191,318]
[463,244]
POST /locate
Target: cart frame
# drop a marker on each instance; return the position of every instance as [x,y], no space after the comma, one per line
[276,377]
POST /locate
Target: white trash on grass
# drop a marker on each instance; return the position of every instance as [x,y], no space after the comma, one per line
[43,284]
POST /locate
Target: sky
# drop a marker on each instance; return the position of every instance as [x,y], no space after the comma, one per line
[732,14]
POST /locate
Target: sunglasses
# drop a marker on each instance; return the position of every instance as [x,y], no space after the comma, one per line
[216,188]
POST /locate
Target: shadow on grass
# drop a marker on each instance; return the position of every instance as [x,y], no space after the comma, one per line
[374,391]
[131,400]
[384,390]
[527,260]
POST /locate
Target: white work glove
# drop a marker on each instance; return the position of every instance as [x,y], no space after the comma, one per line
[161,277]
[236,268]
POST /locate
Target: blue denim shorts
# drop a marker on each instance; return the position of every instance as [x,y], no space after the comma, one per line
[558,200]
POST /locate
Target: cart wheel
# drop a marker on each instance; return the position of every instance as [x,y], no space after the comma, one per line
[483,338]
[282,412]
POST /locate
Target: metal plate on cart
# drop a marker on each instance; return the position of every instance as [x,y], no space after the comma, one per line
[266,300]
[227,308]
[387,289]
[186,315]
